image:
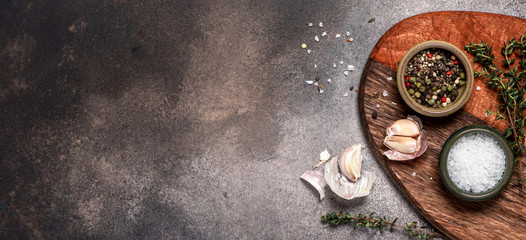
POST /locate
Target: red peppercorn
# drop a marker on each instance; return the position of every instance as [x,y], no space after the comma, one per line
[348,40]
[455,62]
[429,55]
[407,84]
[443,99]
[449,72]
[408,77]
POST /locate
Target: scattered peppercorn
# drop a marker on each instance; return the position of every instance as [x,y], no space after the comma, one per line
[374,115]
[351,88]
[317,78]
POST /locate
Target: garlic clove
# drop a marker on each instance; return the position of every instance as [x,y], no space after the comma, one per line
[345,188]
[402,144]
[404,127]
[394,155]
[351,162]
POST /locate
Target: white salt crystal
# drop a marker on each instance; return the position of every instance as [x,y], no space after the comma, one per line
[321,24]
[316,38]
[338,35]
[321,91]
[346,94]
[309,82]
[385,94]
[377,105]
[334,65]
[347,34]
[476,162]
[341,62]
[346,73]
[350,67]
[478,88]
[309,51]
[316,84]
[315,66]
[329,80]
[323,34]
[414,174]
[389,79]
[310,24]
[394,103]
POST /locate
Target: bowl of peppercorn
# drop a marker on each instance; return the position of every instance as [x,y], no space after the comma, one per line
[435,78]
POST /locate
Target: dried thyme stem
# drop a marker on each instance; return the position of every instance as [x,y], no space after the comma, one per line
[376,222]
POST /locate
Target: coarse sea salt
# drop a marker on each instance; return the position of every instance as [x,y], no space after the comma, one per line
[476,162]
[316,38]
[323,34]
[385,94]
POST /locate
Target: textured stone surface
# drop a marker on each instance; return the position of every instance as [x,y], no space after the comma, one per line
[186,119]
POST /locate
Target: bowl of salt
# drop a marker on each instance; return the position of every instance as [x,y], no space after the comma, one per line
[476,163]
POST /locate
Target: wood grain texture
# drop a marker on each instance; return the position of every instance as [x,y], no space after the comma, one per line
[501,217]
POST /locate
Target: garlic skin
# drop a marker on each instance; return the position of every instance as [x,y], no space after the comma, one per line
[406,139]
[317,180]
[351,162]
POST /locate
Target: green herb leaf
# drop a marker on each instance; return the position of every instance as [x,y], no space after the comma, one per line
[371,20]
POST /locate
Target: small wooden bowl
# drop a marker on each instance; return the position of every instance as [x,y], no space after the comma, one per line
[501,184]
[464,92]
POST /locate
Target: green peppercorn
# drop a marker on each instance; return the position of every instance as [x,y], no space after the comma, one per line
[422,89]
[431,102]
[418,84]
[428,81]
[411,91]
[412,80]
[462,75]
[434,88]
[450,87]
[461,83]
[418,95]
[444,88]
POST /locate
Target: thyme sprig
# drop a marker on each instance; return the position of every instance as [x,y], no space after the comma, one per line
[510,87]
[362,221]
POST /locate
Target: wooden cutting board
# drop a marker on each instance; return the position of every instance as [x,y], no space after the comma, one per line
[501,217]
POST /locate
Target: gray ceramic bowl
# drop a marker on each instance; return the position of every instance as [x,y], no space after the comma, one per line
[501,184]
[464,92]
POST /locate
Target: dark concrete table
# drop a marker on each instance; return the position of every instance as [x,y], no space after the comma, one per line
[186,119]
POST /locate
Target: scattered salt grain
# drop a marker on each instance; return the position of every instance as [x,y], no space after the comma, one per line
[315,66]
[350,67]
[341,62]
[309,51]
[323,34]
[389,79]
[346,94]
[394,103]
[377,105]
[486,114]
[347,34]
[476,162]
[346,73]
[321,91]
[478,88]
[385,94]
[321,24]
[316,84]
[310,24]
[329,80]
[334,65]
[338,35]
[414,174]
[316,38]
[309,82]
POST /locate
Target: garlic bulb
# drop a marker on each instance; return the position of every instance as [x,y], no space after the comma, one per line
[406,139]
[351,162]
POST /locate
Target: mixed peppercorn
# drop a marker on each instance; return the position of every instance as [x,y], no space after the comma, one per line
[433,77]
